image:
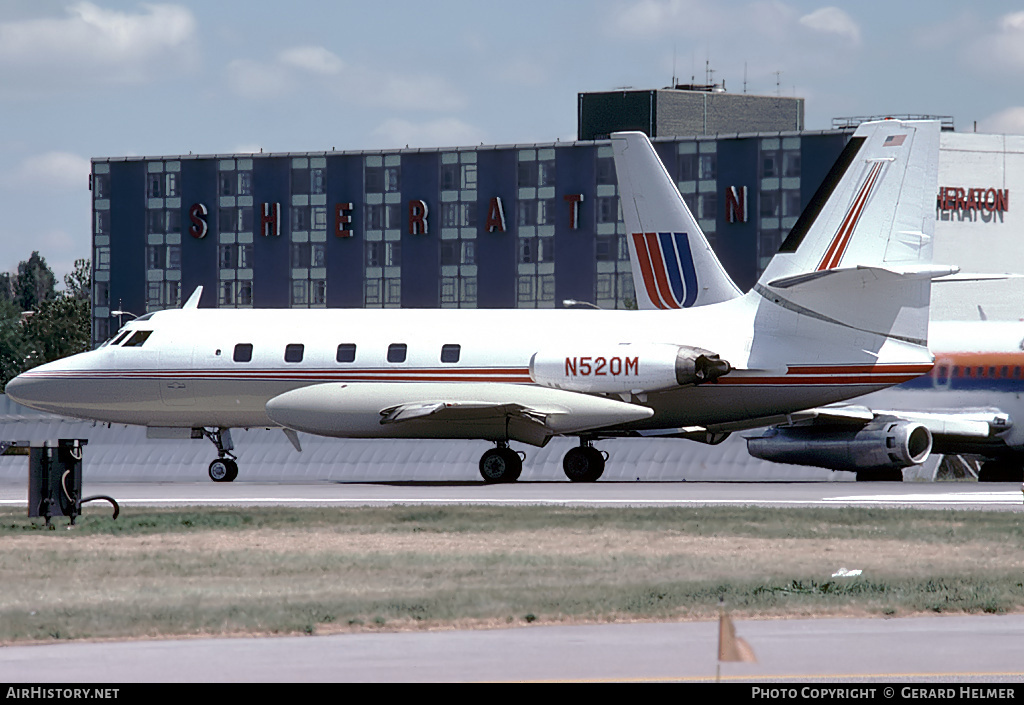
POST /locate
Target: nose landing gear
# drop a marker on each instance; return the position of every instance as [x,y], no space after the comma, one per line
[225,467]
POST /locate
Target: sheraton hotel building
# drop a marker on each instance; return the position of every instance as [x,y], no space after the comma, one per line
[491,226]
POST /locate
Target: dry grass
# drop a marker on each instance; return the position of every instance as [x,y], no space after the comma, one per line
[203,572]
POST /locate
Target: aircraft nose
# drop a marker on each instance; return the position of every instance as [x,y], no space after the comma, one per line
[38,391]
[25,389]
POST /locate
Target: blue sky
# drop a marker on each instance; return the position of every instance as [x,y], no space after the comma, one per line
[116,78]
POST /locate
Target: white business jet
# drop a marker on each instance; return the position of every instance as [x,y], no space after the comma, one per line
[842,310]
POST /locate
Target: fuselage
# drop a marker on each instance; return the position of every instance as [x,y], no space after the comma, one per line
[978,365]
[219,368]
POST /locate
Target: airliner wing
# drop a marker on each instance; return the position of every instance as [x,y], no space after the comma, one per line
[970,423]
[865,440]
[500,411]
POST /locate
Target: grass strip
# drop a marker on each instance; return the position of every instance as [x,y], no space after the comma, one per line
[217,571]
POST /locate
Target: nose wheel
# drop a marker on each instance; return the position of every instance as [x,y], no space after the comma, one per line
[223,470]
[225,467]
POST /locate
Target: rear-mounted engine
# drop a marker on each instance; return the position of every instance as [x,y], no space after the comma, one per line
[621,369]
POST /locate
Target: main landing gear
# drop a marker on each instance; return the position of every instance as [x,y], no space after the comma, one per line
[582,464]
[225,467]
[501,464]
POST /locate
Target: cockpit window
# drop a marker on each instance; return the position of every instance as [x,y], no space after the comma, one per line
[119,337]
[138,339]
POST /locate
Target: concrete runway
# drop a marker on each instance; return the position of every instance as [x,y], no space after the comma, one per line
[923,495]
[928,649]
[934,649]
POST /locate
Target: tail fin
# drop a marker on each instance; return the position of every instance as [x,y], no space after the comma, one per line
[860,254]
[673,264]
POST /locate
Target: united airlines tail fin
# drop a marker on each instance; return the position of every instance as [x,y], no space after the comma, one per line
[860,254]
[673,264]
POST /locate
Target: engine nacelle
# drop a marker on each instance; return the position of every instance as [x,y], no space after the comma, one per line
[879,445]
[620,369]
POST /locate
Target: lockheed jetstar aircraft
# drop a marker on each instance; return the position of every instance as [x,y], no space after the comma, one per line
[841,311]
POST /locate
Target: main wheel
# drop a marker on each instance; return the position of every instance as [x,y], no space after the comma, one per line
[500,465]
[583,464]
[223,470]
[880,475]
[1000,471]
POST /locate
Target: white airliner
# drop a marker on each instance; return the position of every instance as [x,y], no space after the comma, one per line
[971,403]
[842,310]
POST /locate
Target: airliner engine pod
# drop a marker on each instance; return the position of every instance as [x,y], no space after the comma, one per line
[621,369]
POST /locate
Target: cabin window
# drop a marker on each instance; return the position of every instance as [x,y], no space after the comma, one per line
[991,371]
[293,352]
[397,352]
[1005,371]
[243,352]
[1016,372]
[956,370]
[450,353]
[138,339]
[346,352]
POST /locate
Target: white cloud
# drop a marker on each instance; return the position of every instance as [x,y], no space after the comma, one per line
[313,59]
[51,171]
[257,80]
[645,18]
[445,132]
[301,68]
[1002,49]
[94,45]
[832,20]
[1005,122]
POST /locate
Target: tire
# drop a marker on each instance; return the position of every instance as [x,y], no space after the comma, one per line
[500,465]
[583,464]
[880,475]
[223,470]
[1000,471]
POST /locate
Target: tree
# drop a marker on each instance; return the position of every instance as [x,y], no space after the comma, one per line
[34,284]
[78,283]
[57,324]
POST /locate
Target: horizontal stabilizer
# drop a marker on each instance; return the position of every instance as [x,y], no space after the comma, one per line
[977,277]
[864,275]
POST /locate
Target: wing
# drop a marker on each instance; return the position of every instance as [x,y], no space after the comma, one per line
[490,411]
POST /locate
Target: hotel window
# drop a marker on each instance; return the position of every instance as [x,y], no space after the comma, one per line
[382,179]
[708,166]
[608,209]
